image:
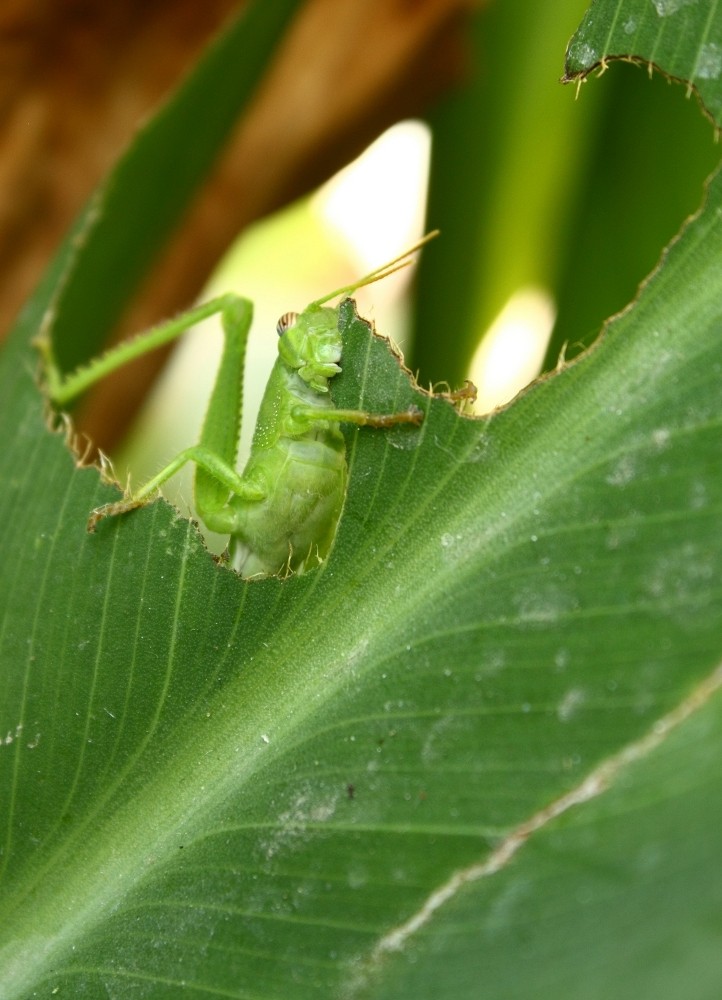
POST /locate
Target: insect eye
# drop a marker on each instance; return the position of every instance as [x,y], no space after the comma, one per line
[286,321]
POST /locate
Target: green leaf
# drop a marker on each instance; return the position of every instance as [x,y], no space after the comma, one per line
[668,165]
[503,227]
[475,753]
[249,788]
[530,185]
[682,38]
[619,896]
[665,167]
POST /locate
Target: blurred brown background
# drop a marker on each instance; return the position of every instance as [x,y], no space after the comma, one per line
[78,77]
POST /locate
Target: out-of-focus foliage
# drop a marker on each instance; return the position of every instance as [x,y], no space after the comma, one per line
[470,754]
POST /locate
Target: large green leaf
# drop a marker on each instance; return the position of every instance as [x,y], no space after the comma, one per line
[245,788]
[475,754]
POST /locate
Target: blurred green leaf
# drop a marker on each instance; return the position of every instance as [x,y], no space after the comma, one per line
[651,151]
[475,753]
[507,152]
[530,187]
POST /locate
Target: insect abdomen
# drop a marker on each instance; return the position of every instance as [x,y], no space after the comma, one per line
[293,527]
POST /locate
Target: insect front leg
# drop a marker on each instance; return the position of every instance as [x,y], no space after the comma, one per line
[63,387]
[216,470]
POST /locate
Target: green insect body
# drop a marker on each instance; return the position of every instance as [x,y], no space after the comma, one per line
[298,457]
[281,513]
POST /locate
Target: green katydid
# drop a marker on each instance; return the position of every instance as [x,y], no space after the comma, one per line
[281,513]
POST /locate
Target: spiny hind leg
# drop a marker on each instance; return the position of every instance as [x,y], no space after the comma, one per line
[216,519]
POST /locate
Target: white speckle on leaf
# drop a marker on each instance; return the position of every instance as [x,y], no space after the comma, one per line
[323,811]
[561,659]
[291,830]
[666,7]
[569,704]
[630,26]
[619,536]
[542,606]
[357,876]
[698,495]
[661,437]
[584,54]
[709,62]
[404,438]
[449,540]
[436,744]
[357,652]
[492,662]
[11,736]
[623,472]
[484,449]
[678,577]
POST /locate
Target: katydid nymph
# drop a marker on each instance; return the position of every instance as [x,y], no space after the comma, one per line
[281,513]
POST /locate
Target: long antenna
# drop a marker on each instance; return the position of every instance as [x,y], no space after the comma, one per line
[403,260]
